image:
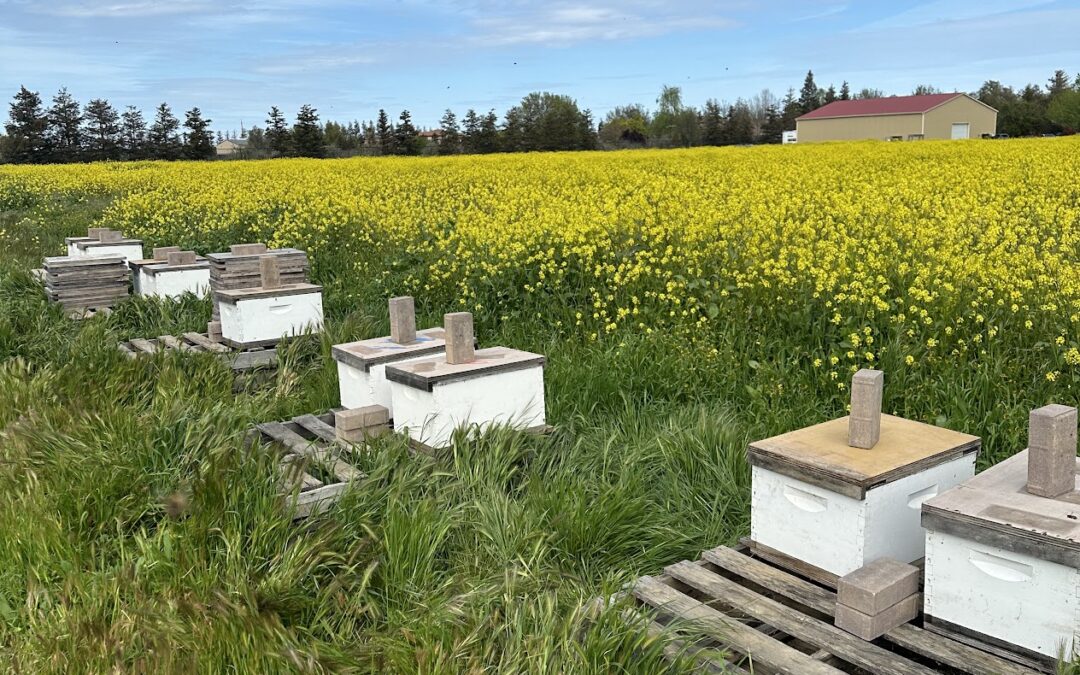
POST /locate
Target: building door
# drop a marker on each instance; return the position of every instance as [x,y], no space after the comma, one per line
[960,130]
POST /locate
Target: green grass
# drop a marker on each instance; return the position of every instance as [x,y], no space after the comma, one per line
[138,533]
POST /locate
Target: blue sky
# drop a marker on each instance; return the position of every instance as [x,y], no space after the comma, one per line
[235,58]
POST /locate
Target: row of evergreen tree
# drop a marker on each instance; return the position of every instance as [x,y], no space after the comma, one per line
[68,132]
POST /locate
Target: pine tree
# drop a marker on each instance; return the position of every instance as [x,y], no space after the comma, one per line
[773,129]
[449,134]
[470,135]
[132,133]
[65,127]
[845,92]
[712,123]
[488,136]
[740,124]
[27,130]
[198,141]
[307,135]
[384,133]
[102,130]
[830,94]
[278,138]
[405,136]
[163,141]
[1057,83]
[809,96]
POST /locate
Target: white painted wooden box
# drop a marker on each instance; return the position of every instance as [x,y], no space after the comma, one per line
[432,398]
[1003,565]
[833,508]
[257,317]
[72,248]
[128,249]
[362,365]
[172,281]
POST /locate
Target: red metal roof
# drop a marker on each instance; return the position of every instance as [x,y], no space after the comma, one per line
[893,105]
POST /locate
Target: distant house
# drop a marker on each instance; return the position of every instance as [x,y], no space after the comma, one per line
[231,146]
[431,135]
[898,118]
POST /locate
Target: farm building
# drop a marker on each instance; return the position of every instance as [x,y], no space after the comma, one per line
[231,146]
[898,118]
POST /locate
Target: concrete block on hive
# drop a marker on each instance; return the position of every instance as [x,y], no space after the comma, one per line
[95,232]
[402,320]
[1052,451]
[247,249]
[362,365]
[175,258]
[864,423]
[107,236]
[162,252]
[269,272]
[213,330]
[460,343]
[832,508]
[875,587]
[871,627]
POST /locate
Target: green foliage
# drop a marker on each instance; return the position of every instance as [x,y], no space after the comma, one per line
[307,134]
[1064,109]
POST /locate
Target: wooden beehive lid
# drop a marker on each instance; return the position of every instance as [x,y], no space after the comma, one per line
[229,257]
[367,353]
[427,373]
[162,266]
[995,508]
[75,240]
[94,243]
[233,296]
[67,262]
[820,454]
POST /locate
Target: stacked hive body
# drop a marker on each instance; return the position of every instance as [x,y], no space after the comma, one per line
[181,272]
[1003,549]
[362,365]
[468,387]
[86,283]
[262,315]
[831,498]
[239,269]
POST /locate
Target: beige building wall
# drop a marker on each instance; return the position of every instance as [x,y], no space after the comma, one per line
[980,118]
[881,127]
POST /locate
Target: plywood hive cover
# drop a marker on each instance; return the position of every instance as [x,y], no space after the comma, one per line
[820,454]
[427,373]
[367,353]
[995,507]
[237,295]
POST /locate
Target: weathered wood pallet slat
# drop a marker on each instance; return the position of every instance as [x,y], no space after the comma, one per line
[199,342]
[783,623]
[312,441]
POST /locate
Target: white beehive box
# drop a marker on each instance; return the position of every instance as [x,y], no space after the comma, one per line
[128,249]
[832,508]
[362,365]
[72,245]
[431,398]
[172,281]
[260,317]
[1003,565]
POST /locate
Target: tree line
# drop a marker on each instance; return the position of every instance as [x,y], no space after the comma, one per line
[69,132]
[542,121]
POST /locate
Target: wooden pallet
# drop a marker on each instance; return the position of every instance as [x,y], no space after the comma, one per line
[239,359]
[755,615]
[309,445]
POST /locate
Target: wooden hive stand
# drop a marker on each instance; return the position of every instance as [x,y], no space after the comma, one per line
[753,616]
[238,359]
[316,463]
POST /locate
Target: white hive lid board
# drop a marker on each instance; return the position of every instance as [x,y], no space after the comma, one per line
[234,296]
[427,373]
[367,353]
[820,454]
[75,240]
[995,508]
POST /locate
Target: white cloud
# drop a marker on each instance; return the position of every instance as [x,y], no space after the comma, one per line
[120,10]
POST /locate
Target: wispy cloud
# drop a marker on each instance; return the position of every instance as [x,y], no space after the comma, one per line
[121,10]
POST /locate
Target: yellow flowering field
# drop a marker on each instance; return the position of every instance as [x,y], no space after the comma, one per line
[950,243]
